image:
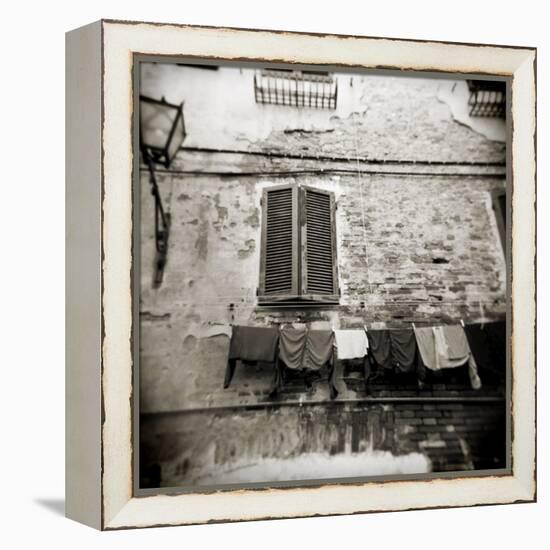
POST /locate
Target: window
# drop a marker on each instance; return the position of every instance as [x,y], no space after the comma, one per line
[298,255]
[487,98]
[499,206]
[314,89]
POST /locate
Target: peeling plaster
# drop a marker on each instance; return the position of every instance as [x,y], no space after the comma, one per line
[455,96]
[254,219]
[246,252]
[221,210]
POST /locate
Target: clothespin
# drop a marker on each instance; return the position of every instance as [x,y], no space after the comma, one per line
[414,326]
[462,322]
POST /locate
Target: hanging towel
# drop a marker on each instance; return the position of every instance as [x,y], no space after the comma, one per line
[403,349]
[380,347]
[351,343]
[254,343]
[452,350]
[250,344]
[319,347]
[426,346]
[292,345]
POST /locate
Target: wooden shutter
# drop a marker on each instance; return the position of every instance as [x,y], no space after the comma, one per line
[319,279]
[279,255]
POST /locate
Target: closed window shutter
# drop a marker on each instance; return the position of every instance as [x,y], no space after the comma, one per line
[319,270]
[279,258]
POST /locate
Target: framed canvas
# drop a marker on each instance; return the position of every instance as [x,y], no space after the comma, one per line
[300,274]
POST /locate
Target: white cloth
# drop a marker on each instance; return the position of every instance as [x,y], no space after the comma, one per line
[452,350]
[443,357]
[351,343]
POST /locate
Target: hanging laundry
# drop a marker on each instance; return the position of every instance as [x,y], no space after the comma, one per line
[307,351]
[319,348]
[426,346]
[446,347]
[403,349]
[380,347]
[254,343]
[292,345]
[351,343]
[450,349]
[319,352]
[393,348]
[251,344]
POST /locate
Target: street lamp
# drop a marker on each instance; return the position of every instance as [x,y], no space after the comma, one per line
[162,131]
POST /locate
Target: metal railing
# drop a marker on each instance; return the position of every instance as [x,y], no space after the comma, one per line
[487,98]
[307,89]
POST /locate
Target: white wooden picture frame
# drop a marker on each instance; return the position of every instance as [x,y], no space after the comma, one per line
[99,366]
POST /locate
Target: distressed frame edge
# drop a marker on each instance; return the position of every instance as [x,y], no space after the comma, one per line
[83,250]
[523,487]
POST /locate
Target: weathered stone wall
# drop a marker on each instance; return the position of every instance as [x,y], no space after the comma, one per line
[390,230]
[417,242]
[209,446]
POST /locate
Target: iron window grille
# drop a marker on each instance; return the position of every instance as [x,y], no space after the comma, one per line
[298,254]
[487,98]
[311,89]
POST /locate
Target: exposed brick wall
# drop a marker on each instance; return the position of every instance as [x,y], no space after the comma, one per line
[390,229]
[403,119]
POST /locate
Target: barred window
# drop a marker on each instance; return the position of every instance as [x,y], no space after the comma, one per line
[313,89]
[487,98]
[298,255]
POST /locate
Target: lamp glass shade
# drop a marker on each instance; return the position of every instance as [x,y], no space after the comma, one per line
[157,120]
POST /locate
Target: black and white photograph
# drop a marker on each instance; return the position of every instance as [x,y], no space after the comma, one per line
[320,272]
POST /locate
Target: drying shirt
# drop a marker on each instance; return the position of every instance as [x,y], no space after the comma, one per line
[318,352]
[447,347]
[426,346]
[380,347]
[403,349]
[451,347]
[351,344]
[303,349]
[393,347]
[292,345]
[254,343]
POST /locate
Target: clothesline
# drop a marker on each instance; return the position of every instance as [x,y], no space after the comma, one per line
[330,325]
[413,349]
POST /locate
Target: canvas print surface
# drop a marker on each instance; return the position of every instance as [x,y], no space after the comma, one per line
[322,278]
